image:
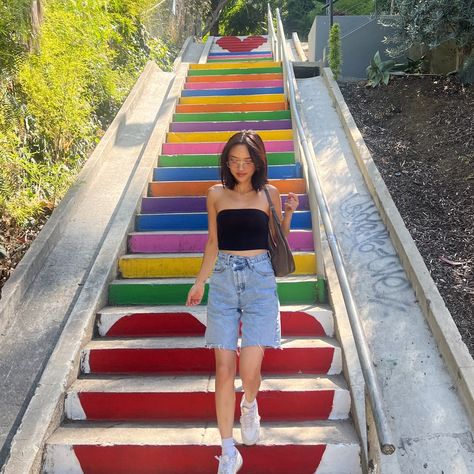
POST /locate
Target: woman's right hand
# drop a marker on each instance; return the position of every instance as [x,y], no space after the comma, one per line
[195,294]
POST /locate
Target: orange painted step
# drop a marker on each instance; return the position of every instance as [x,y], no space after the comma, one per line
[199,188]
[236,77]
[250,107]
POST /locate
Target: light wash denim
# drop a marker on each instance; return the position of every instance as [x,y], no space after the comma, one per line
[243,290]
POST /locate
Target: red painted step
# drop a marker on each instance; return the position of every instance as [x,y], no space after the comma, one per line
[191,398]
[146,321]
[124,448]
[188,355]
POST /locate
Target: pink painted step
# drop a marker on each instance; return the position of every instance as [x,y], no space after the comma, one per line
[191,242]
[188,355]
[232,84]
[215,148]
[191,398]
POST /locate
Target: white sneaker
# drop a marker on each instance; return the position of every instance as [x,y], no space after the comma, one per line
[249,423]
[229,464]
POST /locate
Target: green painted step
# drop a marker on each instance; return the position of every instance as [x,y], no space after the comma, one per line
[221,72]
[291,290]
[283,158]
[231,116]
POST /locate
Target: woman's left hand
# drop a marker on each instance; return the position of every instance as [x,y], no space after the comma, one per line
[291,203]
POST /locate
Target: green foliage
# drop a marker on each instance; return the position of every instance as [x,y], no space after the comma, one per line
[467,71]
[335,53]
[59,99]
[14,32]
[379,71]
[432,23]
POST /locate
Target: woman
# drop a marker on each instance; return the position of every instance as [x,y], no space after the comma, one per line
[242,288]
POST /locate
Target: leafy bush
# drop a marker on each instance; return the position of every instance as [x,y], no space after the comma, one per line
[335,55]
[379,71]
[56,102]
[467,71]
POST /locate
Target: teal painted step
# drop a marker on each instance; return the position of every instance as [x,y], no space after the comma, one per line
[291,290]
[282,158]
[232,116]
[207,173]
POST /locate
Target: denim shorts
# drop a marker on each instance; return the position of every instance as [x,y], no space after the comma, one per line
[243,290]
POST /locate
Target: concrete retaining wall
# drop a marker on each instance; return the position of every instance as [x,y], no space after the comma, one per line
[361,37]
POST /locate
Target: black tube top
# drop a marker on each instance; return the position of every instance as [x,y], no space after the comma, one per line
[242,229]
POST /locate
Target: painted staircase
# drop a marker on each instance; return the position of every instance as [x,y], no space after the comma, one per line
[144,401]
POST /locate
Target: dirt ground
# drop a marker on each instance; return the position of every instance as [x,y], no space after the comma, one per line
[420,131]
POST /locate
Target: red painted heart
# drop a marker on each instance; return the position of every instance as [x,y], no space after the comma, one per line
[235,44]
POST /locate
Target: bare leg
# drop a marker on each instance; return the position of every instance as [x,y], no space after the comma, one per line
[249,368]
[225,392]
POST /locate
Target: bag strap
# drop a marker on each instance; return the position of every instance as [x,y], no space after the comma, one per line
[272,208]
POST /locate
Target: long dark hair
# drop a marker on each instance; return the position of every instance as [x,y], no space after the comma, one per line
[257,153]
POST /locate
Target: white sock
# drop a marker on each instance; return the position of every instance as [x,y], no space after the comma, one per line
[228,447]
[247,404]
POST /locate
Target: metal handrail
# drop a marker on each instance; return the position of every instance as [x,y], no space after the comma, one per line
[374,394]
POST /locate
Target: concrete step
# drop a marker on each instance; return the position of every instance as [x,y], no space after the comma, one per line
[229,109]
[231,92]
[203,173]
[237,78]
[198,221]
[195,148]
[173,291]
[155,321]
[179,355]
[243,84]
[177,265]
[200,188]
[210,137]
[154,205]
[284,158]
[194,241]
[192,398]
[219,113]
[207,126]
[241,99]
[300,448]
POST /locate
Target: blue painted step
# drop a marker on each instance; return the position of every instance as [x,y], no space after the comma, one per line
[250,91]
[198,221]
[207,173]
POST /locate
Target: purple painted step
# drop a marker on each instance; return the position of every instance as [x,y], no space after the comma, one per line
[214,148]
[194,242]
[233,84]
[228,126]
[156,205]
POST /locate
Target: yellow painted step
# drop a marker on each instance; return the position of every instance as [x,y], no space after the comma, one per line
[208,137]
[243,64]
[233,99]
[177,265]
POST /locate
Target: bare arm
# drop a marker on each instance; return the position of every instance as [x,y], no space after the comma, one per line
[290,206]
[210,252]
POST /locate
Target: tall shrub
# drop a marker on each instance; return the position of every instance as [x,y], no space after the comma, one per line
[335,54]
[61,97]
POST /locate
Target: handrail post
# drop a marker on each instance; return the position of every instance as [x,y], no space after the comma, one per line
[374,393]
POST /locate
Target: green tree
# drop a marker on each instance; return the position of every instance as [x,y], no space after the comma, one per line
[335,54]
[432,23]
